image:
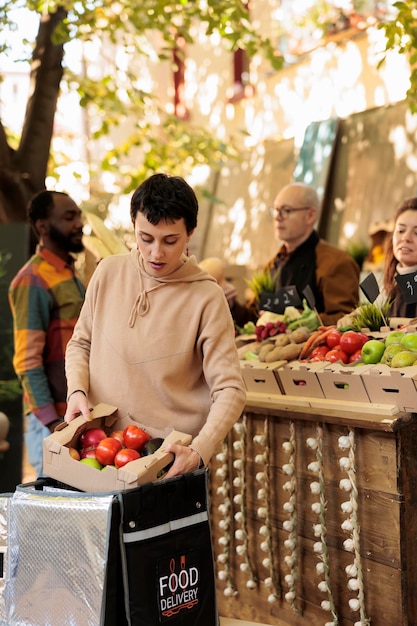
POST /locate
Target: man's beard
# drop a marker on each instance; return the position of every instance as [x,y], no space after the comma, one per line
[65,242]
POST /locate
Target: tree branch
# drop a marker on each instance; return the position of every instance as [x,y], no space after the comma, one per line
[45,77]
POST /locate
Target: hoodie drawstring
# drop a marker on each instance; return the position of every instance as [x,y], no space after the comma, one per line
[141,304]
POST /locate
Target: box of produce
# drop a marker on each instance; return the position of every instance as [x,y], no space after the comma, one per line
[262,377]
[300,379]
[107,453]
[396,386]
[343,382]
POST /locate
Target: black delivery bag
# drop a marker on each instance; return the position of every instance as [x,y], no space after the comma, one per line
[167,553]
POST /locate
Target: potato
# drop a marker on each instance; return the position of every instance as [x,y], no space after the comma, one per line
[282,340]
[291,352]
[275,355]
[299,335]
[264,351]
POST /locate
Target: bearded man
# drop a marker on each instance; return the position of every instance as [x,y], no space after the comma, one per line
[45,298]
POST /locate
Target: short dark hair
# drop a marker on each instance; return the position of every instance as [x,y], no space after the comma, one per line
[165,197]
[41,205]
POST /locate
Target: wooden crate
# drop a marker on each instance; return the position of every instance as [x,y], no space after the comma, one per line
[248,476]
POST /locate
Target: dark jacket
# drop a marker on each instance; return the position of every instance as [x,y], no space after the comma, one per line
[332,274]
[399,308]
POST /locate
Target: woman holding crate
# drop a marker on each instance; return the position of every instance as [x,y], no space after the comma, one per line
[155,336]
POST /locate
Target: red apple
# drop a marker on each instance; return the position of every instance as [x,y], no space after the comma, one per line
[117,434]
[91,437]
[88,453]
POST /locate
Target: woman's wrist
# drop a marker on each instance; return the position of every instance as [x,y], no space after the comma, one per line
[200,458]
[76,391]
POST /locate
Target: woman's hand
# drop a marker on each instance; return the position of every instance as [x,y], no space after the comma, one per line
[185,460]
[77,405]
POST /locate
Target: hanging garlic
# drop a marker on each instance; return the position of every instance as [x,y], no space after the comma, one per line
[263,495]
[312,443]
[351,526]
[224,490]
[317,488]
[240,482]
[290,524]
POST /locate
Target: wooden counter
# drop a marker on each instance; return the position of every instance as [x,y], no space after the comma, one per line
[314,515]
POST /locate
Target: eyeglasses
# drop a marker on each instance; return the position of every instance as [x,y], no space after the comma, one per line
[285,211]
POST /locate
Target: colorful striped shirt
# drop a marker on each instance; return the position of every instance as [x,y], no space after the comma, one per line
[45,297]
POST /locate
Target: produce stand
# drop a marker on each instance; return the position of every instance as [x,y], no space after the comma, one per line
[314,513]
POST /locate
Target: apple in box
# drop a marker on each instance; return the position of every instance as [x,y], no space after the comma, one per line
[141,456]
[95,443]
[372,351]
[119,448]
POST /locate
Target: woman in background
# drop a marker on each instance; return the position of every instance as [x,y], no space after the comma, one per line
[401,258]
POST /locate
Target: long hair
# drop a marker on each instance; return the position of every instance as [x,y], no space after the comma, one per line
[390,267]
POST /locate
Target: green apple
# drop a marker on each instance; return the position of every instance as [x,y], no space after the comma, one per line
[403,359]
[394,337]
[372,351]
[409,341]
[390,351]
[92,463]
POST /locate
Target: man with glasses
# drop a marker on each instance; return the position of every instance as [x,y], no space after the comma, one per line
[306,260]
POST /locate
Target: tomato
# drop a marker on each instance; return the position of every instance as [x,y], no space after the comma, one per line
[320,351]
[352,340]
[356,356]
[134,437]
[337,355]
[125,455]
[107,449]
[333,338]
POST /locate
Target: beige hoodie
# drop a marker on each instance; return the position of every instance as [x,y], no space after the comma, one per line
[161,350]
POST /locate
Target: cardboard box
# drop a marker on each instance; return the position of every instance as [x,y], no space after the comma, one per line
[262,377]
[388,385]
[343,382]
[300,379]
[246,346]
[245,340]
[58,463]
